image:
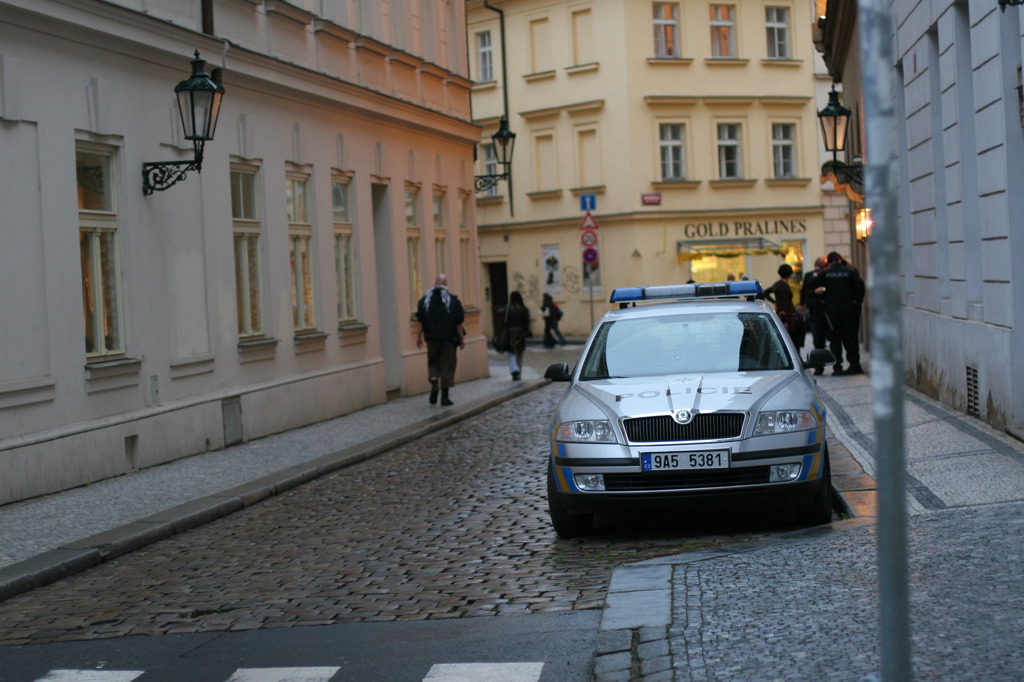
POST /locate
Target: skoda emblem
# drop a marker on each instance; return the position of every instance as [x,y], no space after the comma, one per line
[683,416]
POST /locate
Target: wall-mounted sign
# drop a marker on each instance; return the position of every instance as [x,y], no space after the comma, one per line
[651,199]
[744,228]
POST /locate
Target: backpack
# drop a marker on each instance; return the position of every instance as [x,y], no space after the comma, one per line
[558,311]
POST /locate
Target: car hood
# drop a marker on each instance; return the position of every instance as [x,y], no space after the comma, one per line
[741,391]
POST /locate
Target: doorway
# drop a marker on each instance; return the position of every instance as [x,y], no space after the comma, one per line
[387,310]
[497,275]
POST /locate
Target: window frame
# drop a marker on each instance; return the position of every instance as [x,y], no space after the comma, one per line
[413,233]
[485,57]
[489,165]
[102,294]
[247,233]
[666,146]
[345,262]
[777,33]
[726,144]
[666,46]
[302,250]
[718,25]
[784,151]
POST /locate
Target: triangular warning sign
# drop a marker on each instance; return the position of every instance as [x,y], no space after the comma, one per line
[588,222]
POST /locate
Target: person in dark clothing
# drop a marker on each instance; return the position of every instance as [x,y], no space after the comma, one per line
[815,308]
[782,296]
[515,317]
[842,293]
[440,315]
[550,312]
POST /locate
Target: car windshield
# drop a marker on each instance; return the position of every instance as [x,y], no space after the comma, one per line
[691,343]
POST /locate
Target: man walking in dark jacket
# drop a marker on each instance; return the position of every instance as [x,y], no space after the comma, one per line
[842,293]
[440,316]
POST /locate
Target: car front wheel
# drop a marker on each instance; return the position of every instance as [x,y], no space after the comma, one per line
[566,525]
[819,510]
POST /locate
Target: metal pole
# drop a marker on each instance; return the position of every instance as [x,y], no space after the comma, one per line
[887,378]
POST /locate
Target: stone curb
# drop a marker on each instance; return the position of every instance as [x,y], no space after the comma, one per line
[77,556]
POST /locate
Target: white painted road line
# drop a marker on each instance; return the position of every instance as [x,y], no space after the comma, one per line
[91,676]
[440,672]
[283,675]
[484,672]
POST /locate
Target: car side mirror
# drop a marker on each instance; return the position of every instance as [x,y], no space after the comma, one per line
[558,372]
[819,357]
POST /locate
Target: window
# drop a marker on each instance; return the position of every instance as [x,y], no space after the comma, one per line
[97,240]
[723,38]
[666,29]
[466,258]
[485,57]
[440,261]
[246,230]
[783,153]
[300,235]
[729,150]
[671,145]
[490,167]
[465,253]
[344,257]
[412,244]
[777,26]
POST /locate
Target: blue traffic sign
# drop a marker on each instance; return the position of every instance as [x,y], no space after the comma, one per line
[588,202]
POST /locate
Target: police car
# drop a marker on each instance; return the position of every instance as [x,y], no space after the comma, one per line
[686,394]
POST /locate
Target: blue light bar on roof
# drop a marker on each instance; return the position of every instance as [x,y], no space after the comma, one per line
[682,291]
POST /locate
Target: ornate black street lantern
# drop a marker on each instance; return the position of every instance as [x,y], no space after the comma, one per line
[504,141]
[199,98]
[835,119]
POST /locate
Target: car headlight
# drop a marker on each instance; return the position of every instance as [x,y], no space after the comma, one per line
[783,421]
[587,431]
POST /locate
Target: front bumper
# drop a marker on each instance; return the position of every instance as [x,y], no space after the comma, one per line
[746,480]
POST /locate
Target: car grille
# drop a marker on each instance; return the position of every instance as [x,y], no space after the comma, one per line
[681,480]
[664,429]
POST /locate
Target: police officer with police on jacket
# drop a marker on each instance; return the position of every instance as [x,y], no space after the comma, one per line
[842,292]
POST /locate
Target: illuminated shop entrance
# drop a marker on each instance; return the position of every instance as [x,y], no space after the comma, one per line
[756,259]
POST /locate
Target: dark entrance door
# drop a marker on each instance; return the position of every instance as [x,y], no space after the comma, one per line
[498,275]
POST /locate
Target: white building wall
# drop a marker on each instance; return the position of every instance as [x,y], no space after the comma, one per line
[960,127]
[185,383]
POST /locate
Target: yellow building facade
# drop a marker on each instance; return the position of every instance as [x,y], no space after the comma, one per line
[656,142]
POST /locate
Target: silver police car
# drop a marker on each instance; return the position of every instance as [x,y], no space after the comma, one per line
[686,394]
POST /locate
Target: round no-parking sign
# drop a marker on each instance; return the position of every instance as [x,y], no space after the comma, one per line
[590,256]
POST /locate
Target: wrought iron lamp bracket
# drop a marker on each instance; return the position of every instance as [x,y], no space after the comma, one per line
[160,175]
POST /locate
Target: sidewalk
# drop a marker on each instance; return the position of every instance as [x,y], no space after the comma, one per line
[45,539]
[804,605]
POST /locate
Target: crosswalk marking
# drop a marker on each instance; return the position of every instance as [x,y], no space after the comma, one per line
[91,676]
[440,672]
[484,672]
[283,674]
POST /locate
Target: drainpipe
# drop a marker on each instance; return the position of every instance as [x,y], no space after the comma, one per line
[504,92]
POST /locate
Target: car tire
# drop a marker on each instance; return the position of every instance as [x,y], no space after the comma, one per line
[819,510]
[566,525]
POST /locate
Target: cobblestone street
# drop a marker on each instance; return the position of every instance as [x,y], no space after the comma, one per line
[452,525]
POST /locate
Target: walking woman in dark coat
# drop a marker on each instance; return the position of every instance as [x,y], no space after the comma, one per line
[516,318]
